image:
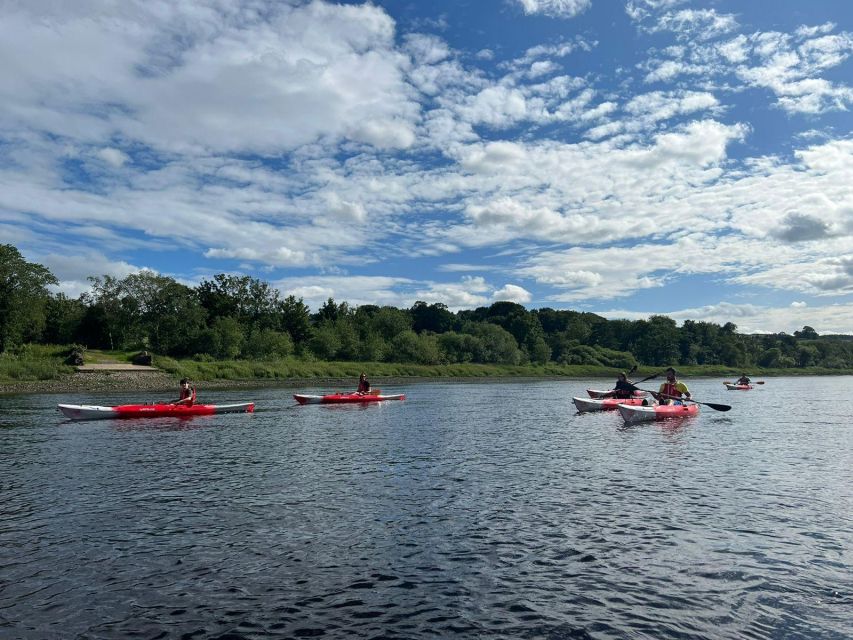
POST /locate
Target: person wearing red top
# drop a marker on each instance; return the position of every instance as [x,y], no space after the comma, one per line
[363,384]
[672,391]
[187,394]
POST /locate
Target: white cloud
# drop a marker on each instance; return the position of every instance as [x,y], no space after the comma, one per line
[555,8]
[197,76]
[354,290]
[750,318]
[701,24]
[512,293]
[114,157]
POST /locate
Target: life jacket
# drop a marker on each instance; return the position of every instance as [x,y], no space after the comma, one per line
[189,393]
[670,389]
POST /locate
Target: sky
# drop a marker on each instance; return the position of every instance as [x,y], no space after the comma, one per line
[626,158]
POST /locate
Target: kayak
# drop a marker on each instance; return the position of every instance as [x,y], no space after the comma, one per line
[738,387]
[632,414]
[341,398]
[603,404]
[94,412]
[596,393]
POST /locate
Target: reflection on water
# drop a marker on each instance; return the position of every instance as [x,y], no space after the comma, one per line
[471,510]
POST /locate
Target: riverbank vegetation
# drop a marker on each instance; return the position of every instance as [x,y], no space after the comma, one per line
[231,327]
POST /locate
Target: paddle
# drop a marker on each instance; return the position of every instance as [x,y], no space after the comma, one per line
[713,405]
[654,375]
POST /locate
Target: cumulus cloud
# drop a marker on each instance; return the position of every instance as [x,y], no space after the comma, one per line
[757,319]
[323,137]
[555,8]
[173,78]
[512,293]
[114,157]
[802,227]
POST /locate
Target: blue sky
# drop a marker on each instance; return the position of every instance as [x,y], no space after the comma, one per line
[693,159]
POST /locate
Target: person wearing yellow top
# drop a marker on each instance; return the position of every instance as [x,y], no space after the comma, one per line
[672,391]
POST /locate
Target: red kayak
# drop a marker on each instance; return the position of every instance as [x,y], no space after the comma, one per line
[95,412]
[341,398]
[738,387]
[632,414]
[604,404]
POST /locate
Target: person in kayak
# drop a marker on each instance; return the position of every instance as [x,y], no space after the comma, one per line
[672,391]
[363,384]
[187,394]
[623,387]
[743,380]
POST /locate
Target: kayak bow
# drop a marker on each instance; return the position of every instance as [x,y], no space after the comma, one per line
[603,404]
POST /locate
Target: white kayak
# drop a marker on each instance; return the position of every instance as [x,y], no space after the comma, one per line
[598,393]
[603,404]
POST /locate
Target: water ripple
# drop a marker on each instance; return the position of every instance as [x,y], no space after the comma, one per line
[482,510]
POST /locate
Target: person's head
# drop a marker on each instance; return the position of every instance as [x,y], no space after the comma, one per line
[362,376]
[622,376]
[670,374]
[185,382]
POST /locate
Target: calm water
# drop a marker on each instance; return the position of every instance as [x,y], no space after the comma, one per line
[469,510]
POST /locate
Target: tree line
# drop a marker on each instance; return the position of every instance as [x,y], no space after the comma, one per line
[231,317]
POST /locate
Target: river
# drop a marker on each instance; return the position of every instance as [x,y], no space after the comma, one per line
[469,510]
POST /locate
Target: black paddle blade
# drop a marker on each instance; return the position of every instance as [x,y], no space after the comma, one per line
[717,407]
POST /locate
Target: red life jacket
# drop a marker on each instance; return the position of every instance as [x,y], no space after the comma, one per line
[669,388]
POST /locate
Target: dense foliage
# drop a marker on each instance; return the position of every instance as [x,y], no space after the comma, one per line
[230,317]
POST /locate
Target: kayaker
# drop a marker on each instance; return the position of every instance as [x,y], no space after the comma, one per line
[672,390]
[743,380]
[363,384]
[187,394]
[623,387]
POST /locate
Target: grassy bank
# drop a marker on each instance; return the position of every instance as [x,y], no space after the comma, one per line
[33,363]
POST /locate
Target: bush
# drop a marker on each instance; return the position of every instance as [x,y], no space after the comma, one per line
[75,355]
[267,343]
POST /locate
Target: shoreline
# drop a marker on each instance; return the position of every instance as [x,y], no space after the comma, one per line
[123,381]
[162,381]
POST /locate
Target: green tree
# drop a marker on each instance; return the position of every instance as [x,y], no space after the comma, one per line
[657,341]
[431,317]
[114,314]
[23,297]
[224,338]
[267,343]
[495,344]
[806,334]
[459,347]
[389,321]
[295,319]
[63,318]
[409,346]
[252,302]
[325,341]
